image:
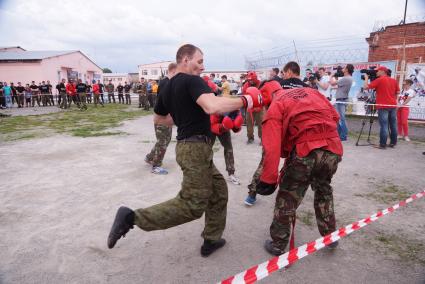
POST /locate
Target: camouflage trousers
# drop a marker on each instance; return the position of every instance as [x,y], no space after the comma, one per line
[297,174]
[143,101]
[256,177]
[163,137]
[252,119]
[203,190]
[226,141]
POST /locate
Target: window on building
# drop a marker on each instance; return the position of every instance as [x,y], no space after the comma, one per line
[145,72]
[119,79]
[154,72]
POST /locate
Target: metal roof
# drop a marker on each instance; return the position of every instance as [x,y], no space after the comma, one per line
[33,55]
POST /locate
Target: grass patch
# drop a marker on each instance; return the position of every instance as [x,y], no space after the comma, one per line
[90,123]
[387,193]
[306,218]
[405,249]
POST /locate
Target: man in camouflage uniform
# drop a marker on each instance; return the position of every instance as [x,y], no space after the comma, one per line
[203,189]
[162,132]
[301,126]
[142,90]
[110,88]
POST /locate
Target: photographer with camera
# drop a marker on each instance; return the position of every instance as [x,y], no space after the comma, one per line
[343,84]
[322,82]
[386,103]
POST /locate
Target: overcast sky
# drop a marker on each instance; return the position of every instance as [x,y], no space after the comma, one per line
[122,34]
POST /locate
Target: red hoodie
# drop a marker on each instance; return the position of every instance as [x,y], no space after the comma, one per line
[300,119]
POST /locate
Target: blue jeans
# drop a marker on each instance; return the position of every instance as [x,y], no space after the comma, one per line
[387,116]
[342,126]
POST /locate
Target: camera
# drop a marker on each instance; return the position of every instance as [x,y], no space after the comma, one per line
[371,72]
[369,97]
[314,76]
[338,72]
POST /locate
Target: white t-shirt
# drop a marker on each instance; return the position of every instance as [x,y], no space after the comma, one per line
[327,92]
[406,94]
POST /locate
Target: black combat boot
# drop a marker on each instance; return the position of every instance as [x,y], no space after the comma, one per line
[270,248]
[124,221]
[211,246]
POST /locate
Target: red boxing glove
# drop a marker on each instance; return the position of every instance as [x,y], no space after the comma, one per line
[227,123]
[252,98]
[217,128]
[238,121]
[214,119]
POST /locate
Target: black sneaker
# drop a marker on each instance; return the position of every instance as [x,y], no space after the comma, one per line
[250,141]
[211,246]
[392,145]
[333,245]
[270,248]
[124,221]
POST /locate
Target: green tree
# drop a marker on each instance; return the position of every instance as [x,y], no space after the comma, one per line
[106,70]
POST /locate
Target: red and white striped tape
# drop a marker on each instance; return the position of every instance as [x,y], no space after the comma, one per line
[264,269]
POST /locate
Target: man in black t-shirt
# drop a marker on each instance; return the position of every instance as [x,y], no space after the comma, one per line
[51,100]
[20,95]
[101,88]
[162,132]
[89,92]
[81,92]
[35,91]
[61,87]
[44,90]
[188,102]
[127,88]
[291,80]
[120,90]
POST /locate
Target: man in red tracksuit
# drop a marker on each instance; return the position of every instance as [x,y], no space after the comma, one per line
[72,94]
[255,115]
[301,126]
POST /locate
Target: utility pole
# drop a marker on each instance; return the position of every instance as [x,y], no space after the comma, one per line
[403,61]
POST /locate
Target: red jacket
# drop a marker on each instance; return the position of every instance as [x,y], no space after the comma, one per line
[386,91]
[96,89]
[301,119]
[70,89]
[246,86]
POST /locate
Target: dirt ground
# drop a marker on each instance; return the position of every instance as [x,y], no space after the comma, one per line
[59,196]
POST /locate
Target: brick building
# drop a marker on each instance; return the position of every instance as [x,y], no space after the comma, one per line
[388,44]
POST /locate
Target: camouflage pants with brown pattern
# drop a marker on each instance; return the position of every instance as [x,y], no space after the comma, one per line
[163,137]
[226,141]
[256,178]
[203,190]
[316,170]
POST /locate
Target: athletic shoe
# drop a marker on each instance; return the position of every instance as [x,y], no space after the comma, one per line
[399,136]
[148,161]
[406,138]
[159,171]
[270,248]
[234,180]
[211,246]
[250,141]
[250,200]
[124,220]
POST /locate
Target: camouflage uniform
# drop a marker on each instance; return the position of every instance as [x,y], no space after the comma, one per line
[110,89]
[226,141]
[163,137]
[203,190]
[297,174]
[256,178]
[252,119]
[141,89]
